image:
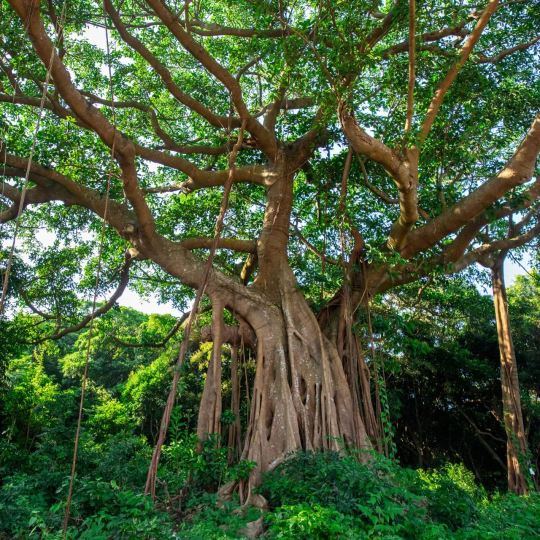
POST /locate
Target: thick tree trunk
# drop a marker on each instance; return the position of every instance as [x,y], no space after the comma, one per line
[513,418]
[301,396]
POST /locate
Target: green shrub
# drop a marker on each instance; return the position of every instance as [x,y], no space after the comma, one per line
[22,502]
[308,522]
[316,495]
[505,517]
[119,514]
[211,519]
[100,510]
[375,493]
[452,494]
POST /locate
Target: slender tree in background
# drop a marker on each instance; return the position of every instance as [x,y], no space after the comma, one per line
[516,446]
[516,452]
[381,140]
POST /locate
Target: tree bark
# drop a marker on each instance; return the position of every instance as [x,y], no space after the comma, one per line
[516,446]
[302,397]
[209,421]
[235,429]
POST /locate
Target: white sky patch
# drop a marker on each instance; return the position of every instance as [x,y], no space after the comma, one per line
[133,300]
[96,36]
[513,269]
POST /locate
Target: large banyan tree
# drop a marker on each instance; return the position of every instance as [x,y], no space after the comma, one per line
[365,145]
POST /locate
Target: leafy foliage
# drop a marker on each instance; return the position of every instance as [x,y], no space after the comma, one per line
[316,495]
[311,495]
[436,380]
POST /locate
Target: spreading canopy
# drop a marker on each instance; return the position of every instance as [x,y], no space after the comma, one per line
[431,109]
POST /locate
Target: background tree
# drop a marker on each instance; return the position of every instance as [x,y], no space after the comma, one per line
[437,104]
[444,378]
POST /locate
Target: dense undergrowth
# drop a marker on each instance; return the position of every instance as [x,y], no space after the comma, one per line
[310,496]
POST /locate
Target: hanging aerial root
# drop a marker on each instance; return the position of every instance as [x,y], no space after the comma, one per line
[236,337]
[235,429]
[153,468]
[210,408]
[370,420]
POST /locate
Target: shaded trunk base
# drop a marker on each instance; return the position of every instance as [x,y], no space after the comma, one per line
[301,397]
